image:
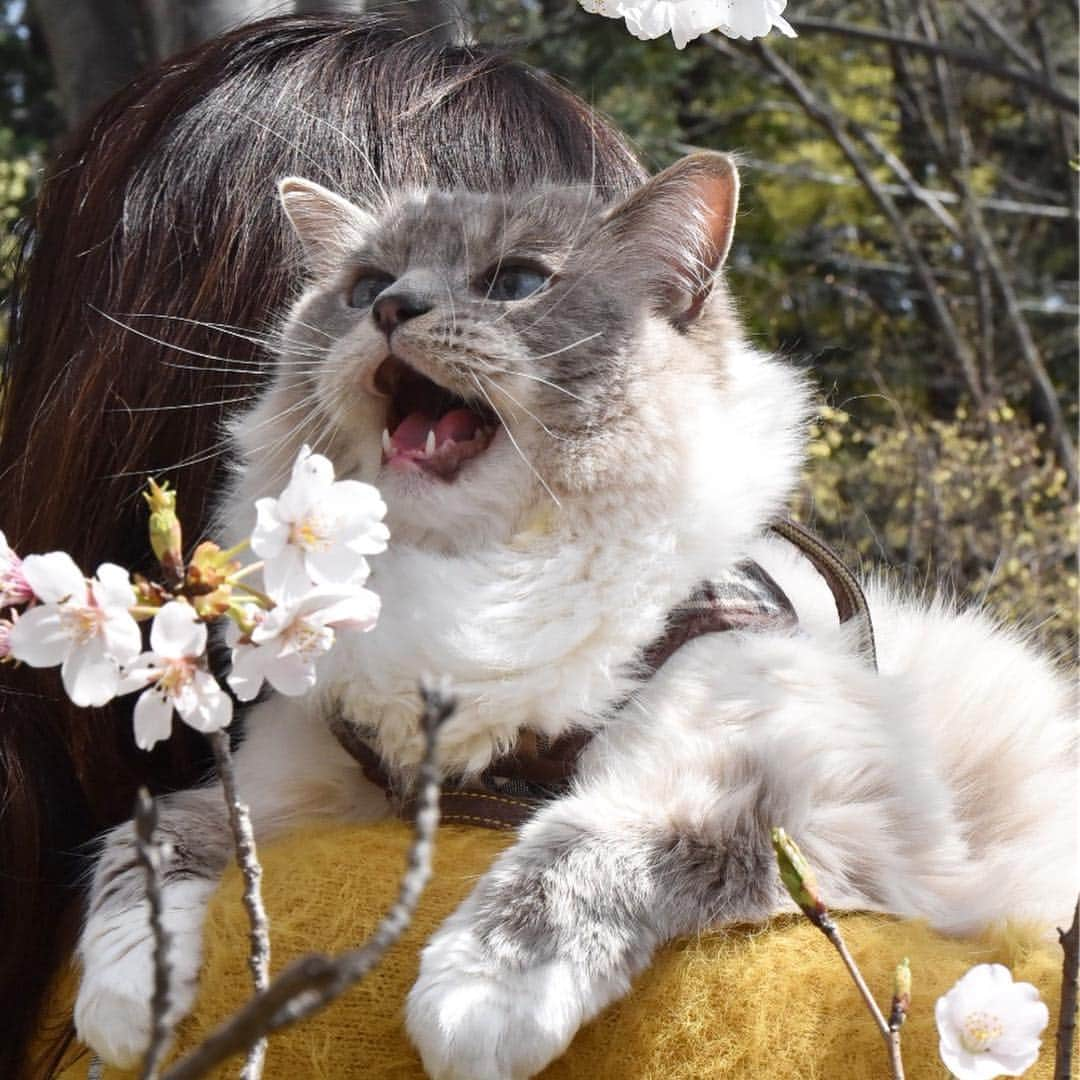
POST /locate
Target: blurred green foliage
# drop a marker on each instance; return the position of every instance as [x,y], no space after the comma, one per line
[28,122]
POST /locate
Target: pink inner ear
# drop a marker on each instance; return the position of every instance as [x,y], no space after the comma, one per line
[719,196]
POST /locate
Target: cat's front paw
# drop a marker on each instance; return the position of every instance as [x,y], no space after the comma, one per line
[472,1018]
[113,1013]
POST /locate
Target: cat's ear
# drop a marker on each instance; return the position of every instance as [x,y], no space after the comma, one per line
[328,226]
[677,228]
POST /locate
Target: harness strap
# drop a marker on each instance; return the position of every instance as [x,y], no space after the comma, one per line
[510,790]
[847,592]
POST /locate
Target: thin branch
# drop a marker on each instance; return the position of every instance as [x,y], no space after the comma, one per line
[1070,978]
[901,1002]
[149,855]
[827,118]
[801,883]
[96,1069]
[1029,351]
[944,198]
[248,861]
[1000,34]
[313,981]
[969,58]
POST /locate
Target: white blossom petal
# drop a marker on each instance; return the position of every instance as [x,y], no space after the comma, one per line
[54,577]
[287,576]
[248,671]
[122,636]
[113,586]
[152,718]
[139,673]
[688,19]
[337,565]
[291,675]
[207,707]
[177,632]
[988,1025]
[90,675]
[271,533]
[39,637]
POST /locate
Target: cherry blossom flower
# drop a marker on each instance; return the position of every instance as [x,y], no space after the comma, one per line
[84,626]
[14,588]
[289,640]
[319,530]
[688,19]
[175,678]
[990,1025]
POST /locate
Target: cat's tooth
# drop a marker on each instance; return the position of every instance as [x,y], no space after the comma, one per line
[386,441]
[429,446]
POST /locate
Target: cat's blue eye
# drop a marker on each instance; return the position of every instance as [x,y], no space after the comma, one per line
[367,288]
[515,283]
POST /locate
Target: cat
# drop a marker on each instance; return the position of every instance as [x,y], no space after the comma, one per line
[571,434]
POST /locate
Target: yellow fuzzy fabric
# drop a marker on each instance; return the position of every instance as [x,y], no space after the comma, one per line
[768,1002]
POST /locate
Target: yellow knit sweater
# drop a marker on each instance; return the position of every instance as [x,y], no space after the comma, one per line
[769,1002]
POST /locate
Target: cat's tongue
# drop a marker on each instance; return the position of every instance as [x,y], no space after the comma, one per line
[437,446]
[459,425]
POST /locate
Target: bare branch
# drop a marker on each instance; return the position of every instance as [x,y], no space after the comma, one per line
[248,861]
[1040,379]
[1070,977]
[828,119]
[313,981]
[149,855]
[969,58]
[999,33]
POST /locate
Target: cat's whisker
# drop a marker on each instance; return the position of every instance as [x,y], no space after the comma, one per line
[566,348]
[528,412]
[267,340]
[513,442]
[536,378]
[184,405]
[168,344]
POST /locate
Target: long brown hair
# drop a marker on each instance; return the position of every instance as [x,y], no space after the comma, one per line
[162,205]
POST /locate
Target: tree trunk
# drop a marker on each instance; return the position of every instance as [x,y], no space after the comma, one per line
[95,48]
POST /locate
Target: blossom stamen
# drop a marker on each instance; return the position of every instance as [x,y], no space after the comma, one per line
[979,1030]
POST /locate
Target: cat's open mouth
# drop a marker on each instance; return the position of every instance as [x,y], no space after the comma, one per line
[428,428]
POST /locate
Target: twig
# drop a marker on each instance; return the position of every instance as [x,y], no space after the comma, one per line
[149,855]
[248,861]
[1001,35]
[901,1002]
[1042,385]
[312,981]
[798,878]
[969,58]
[828,119]
[1070,979]
[96,1070]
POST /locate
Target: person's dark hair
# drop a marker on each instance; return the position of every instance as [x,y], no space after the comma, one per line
[163,205]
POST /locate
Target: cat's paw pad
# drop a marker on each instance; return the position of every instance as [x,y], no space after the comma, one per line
[472,1019]
[113,1013]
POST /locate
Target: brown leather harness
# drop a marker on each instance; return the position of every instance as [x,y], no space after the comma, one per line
[538,769]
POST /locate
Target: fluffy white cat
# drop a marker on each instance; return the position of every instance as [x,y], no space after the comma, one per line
[572,436]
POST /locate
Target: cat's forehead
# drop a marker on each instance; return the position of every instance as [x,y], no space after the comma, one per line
[464,225]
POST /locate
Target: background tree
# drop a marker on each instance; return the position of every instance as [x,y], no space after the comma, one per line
[908,232]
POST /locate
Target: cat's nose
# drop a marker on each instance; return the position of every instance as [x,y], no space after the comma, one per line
[391,311]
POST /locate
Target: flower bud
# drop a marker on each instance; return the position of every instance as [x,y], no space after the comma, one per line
[208,570]
[901,999]
[165,536]
[798,877]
